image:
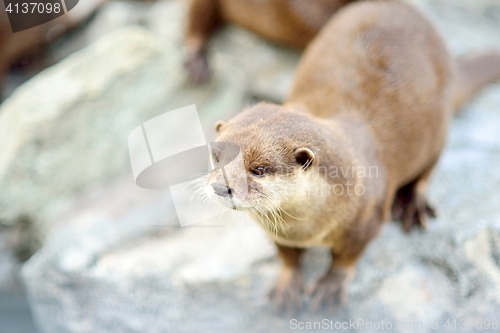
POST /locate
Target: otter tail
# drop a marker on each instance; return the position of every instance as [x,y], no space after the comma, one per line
[474,73]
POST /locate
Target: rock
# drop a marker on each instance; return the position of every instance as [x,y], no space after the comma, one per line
[15,315]
[269,69]
[8,263]
[110,17]
[67,128]
[19,41]
[122,263]
[125,78]
[140,229]
[55,128]
[91,100]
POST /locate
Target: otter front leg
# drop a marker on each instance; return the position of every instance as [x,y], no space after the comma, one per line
[203,19]
[331,290]
[287,293]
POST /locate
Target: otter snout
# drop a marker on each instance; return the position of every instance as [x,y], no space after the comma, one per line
[221,189]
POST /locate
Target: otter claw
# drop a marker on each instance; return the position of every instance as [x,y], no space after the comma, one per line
[197,67]
[330,291]
[412,208]
[287,293]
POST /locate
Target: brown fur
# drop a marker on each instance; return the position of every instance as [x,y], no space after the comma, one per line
[474,73]
[376,88]
[288,22]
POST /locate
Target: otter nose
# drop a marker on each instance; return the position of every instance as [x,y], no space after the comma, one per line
[221,189]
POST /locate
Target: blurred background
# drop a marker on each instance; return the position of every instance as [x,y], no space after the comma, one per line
[83,249]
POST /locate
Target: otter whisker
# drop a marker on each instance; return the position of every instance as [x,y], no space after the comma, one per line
[281,209]
[272,215]
[269,223]
[278,216]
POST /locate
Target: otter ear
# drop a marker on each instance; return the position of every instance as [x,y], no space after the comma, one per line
[218,125]
[304,156]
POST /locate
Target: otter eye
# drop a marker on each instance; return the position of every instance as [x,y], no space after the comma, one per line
[259,171]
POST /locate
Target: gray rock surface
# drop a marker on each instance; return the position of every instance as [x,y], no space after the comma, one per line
[15,315]
[122,272]
[67,128]
[8,262]
[114,259]
[91,100]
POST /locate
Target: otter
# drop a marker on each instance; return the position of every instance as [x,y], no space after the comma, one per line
[357,138]
[291,23]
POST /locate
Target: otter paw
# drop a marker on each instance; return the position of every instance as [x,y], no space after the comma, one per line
[287,293]
[417,212]
[412,209]
[197,67]
[330,291]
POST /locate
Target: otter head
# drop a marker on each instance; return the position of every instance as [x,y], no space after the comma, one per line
[260,157]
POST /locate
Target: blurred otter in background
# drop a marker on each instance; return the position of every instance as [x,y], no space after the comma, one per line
[288,22]
[14,46]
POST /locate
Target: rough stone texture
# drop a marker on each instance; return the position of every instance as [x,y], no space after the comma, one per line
[90,101]
[120,263]
[8,263]
[117,262]
[15,316]
[68,127]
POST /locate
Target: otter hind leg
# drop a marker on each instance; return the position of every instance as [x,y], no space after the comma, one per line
[289,289]
[410,205]
[203,19]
